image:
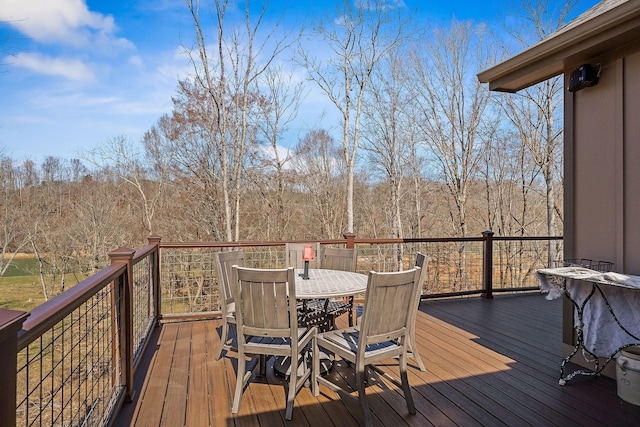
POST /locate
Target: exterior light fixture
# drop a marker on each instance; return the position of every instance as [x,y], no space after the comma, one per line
[585,75]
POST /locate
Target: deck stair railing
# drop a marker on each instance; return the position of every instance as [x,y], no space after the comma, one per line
[71,361]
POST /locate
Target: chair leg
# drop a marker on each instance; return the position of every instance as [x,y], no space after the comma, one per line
[262,365]
[239,382]
[293,385]
[362,394]
[406,388]
[224,336]
[315,370]
[414,351]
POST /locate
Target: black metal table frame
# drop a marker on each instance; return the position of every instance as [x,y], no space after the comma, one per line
[308,317]
[579,327]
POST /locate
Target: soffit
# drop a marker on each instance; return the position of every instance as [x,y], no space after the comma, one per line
[608,29]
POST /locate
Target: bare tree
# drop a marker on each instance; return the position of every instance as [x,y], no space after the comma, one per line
[453,107]
[321,173]
[52,169]
[29,174]
[388,136]
[358,39]
[536,112]
[183,143]
[513,202]
[454,119]
[12,236]
[147,176]
[277,107]
[416,166]
[247,53]
[78,170]
[102,220]
[71,228]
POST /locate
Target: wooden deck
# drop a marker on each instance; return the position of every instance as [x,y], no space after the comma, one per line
[490,362]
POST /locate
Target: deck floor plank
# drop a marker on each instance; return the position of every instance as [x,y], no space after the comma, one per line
[489,362]
[485,374]
[175,408]
[153,394]
[220,405]
[198,392]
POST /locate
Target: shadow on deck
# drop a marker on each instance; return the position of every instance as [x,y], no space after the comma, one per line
[489,362]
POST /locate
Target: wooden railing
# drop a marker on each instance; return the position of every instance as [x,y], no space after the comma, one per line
[481,265]
[74,356]
[71,360]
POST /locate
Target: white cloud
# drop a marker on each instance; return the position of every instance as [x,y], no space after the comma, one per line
[71,69]
[68,22]
[174,65]
[136,61]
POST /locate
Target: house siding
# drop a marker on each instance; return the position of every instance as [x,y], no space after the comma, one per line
[632,163]
[602,179]
[602,173]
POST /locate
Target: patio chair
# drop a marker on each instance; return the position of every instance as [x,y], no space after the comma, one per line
[293,254]
[224,262]
[266,321]
[389,304]
[344,260]
[312,312]
[413,346]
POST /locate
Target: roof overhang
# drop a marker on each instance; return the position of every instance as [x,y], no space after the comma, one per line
[592,36]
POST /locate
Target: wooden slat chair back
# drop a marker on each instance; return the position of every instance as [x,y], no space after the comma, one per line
[294,251]
[339,259]
[413,346]
[345,260]
[267,324]
[389,306]
[223,264]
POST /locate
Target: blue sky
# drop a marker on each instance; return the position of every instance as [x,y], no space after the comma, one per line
[77,73]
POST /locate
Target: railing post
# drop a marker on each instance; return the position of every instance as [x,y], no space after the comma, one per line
[487,265]
[125,315]
[155,276]
[10,324]
[351,237]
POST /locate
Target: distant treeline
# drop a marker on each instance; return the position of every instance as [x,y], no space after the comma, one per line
[415,146]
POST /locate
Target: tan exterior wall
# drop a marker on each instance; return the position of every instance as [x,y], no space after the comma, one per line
[602,173]
[631,256]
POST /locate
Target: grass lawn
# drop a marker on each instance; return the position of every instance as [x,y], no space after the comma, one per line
[25,292]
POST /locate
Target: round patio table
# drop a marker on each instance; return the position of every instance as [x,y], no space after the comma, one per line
[323,284]
[329,284]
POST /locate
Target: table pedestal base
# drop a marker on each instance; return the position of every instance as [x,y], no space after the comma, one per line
[282,365]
